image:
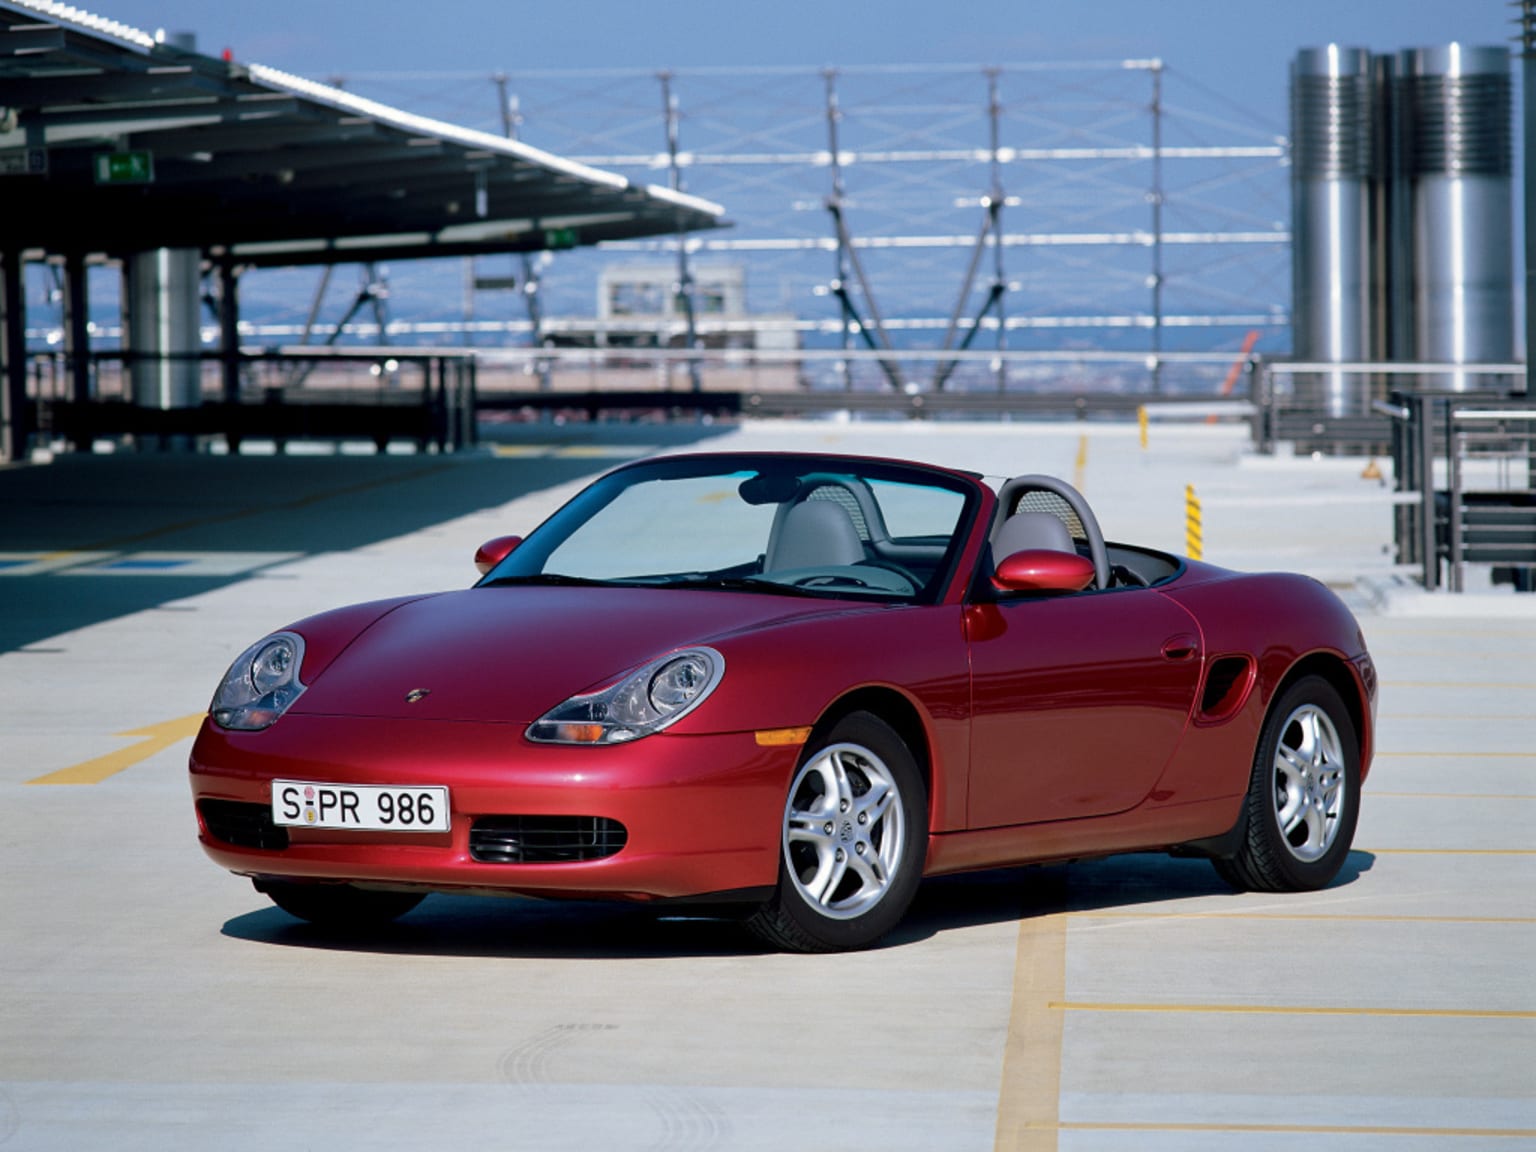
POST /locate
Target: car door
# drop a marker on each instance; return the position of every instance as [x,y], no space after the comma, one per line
[1078,702]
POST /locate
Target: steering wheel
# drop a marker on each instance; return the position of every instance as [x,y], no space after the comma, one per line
[865,574]
[895,569]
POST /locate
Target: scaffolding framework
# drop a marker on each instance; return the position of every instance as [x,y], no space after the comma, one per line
[1022,206]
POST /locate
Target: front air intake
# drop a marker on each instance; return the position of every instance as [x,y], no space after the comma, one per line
[242,825]
[544,839]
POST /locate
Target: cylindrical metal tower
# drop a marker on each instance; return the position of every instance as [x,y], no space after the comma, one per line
[1453,109]
[164,338]
[1333,163]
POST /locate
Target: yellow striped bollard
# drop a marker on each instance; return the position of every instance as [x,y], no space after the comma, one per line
[1193,541]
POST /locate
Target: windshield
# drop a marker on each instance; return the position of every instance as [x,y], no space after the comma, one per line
[811,525]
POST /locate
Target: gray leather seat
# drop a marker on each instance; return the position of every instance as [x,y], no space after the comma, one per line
[1027,530]
[814,534]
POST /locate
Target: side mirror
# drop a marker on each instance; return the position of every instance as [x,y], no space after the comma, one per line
[1043,570]
[493,552]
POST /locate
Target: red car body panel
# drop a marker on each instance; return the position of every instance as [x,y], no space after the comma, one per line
[701,811]
[1047,727]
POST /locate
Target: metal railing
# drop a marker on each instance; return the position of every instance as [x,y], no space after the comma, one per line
[1336,407]
[1471,462]
[426,397]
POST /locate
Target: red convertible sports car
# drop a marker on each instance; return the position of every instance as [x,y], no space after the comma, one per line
[794,683]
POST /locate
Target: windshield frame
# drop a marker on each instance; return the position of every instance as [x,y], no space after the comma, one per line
[525,565]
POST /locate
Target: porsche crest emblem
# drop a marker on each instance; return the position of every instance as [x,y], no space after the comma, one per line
[417,695]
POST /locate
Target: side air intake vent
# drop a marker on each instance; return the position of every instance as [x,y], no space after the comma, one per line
[1226,687]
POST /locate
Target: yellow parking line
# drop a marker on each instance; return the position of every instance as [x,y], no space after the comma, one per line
[1446,716]
[1450,851]
[153,739]
[1293,1010]
[1458,684]
[1301,1129]
[1450,796]
[1457,755]
[1029,1100]
[598,452]
[1342,917]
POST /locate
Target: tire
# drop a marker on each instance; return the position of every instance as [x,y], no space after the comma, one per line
[339,906]
[853,838]
[1303,797]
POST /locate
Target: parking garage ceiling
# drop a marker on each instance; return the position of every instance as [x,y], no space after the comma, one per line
[113,142]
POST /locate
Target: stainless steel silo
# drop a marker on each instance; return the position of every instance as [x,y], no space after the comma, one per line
[1334,157]
[1452,105]
[162,299]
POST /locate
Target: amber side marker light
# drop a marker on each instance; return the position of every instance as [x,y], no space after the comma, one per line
[581,733]
[780,737]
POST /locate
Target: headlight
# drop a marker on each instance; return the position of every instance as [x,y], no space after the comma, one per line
[261,684]
[645,701]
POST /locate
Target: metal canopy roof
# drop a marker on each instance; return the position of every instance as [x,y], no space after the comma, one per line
[112,142]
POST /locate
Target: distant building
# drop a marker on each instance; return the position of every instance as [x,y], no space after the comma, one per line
[639,306]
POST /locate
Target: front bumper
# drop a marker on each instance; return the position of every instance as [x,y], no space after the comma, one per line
[702,814]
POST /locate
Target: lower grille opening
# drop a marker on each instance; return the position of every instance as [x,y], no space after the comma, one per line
[242,825]
[544,839]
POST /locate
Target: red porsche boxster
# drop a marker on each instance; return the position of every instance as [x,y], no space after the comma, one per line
[797,684]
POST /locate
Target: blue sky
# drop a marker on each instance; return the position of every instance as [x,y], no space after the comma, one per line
[1239,49]
[1226,58]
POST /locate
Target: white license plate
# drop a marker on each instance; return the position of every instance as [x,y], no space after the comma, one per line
[363,807]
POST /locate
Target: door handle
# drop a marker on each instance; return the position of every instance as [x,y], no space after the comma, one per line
[1180,648]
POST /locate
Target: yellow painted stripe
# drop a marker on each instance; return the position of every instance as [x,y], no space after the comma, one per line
[1448,796]
[152,739]
[1293,1010]
[597,452]
[1515,717]
[1301,1129]
[1518,648]
[1451,851]
[1029,1099]
[1342,917]
[1384,628]
[519,451]
[1458,684]
[1458,755]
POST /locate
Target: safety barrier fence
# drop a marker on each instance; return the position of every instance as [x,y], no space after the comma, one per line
[439,396]
[1470,461]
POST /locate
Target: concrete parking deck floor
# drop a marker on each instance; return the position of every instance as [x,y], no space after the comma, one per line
[150,1001]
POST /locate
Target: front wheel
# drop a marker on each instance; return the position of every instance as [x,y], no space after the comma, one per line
[853,838]
[339,906]
[1303,797]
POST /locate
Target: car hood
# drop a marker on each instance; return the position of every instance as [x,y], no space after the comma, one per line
[509,654]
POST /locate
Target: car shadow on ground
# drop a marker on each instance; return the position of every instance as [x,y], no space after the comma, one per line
[488,927]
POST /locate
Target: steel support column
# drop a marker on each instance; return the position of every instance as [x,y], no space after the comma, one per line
[997,200]
[684,274]
[511,118]
[1528,191]
[13,356]
[991,229]
[1156,198]
[77,337]
[229,329]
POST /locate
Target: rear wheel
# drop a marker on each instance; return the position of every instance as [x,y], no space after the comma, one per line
[340,906]
[1303,797]
[853,837]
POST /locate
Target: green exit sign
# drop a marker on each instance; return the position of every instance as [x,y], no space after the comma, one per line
[559,237]
[125,167]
